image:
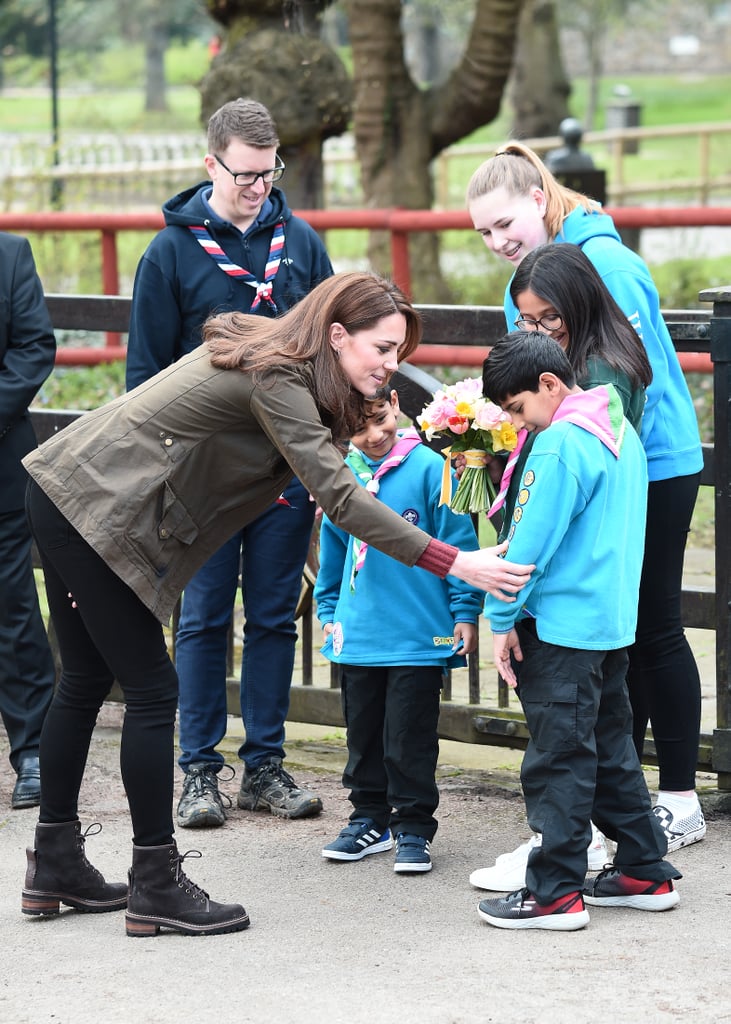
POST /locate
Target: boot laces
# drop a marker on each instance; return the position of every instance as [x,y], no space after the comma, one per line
[92,830]
[182,879]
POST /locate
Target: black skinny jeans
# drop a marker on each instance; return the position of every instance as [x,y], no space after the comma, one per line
[109,635]
[392,716]
[663,679]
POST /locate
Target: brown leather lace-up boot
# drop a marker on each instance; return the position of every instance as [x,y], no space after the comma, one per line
[162,896]
[58,872]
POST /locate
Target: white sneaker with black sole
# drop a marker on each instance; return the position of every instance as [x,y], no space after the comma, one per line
[681,827]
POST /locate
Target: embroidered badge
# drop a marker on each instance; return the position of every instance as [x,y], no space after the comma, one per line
[410,515]
[337,636]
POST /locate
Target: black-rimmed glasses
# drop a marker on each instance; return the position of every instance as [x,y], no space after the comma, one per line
[243,178]
[549,322]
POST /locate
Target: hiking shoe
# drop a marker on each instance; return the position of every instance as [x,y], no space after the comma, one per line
[508,872]
[612,888]
[357,840]
[681,831]
[412,853]
[520,910]
[201,804]
[270,787]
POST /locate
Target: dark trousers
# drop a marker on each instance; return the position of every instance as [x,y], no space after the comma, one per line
[27,673]
[109,635]
[663,679]
[391,715]
[581,765]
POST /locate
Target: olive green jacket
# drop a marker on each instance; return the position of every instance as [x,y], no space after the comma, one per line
[156,480]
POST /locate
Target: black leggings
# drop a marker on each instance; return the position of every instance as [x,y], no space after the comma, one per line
[109,635]
[663,678]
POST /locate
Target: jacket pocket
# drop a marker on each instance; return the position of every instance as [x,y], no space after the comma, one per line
[161,536]
[175,520]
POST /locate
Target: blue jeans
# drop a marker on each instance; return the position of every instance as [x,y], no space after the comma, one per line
[270,554]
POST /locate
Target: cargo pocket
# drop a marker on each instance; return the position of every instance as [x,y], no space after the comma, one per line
[550,707]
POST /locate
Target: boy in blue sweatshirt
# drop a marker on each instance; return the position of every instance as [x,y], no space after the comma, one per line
[394,631]
[579,515]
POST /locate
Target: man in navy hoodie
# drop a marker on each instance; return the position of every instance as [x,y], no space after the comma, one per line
[232,242]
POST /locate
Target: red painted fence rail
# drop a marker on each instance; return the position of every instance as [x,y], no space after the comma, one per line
[399,223]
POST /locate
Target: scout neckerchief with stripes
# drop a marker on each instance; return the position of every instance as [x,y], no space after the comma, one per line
[508,474]
[407,440]
[263,288]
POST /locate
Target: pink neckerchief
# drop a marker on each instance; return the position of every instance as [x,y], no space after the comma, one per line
[407,440]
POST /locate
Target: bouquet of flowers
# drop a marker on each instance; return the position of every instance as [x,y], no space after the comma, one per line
[475,427]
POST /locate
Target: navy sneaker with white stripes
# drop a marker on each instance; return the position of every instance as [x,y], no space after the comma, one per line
[413,854]
[357,840]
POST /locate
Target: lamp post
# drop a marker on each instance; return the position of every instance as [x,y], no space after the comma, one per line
[56,183]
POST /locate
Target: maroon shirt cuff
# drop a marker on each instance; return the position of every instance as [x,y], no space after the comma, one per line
[437,557]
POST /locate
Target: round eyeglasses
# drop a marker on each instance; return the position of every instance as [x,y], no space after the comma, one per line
[243,178]
[550,322]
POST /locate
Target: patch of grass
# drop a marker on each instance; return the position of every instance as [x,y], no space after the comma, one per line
[82,387]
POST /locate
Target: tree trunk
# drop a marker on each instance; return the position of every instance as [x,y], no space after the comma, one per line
[392,137]
[274,54]
[540,89]
[399,128]
[156,42]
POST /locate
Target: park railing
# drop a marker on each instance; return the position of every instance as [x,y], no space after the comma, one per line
[399,224]
[123,170]
[482,713]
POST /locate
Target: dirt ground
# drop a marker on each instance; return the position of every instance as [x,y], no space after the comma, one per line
[350,943]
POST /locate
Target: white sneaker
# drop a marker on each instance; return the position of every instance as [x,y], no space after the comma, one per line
[681,829]
[508,872]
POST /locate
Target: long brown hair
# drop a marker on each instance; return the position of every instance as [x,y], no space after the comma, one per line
[517,169]
[257,345]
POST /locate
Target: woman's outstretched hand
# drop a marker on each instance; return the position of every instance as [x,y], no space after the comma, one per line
[488,571]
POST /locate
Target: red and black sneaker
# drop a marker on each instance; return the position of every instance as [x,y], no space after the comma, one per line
[521,910]
[612,888]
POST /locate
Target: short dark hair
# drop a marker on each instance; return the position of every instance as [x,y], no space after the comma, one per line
[383,394]
[245,119]
[516,362]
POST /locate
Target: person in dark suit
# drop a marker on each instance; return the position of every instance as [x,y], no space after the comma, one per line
[27,675]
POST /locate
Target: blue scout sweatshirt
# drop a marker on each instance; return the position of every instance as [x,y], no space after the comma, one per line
[669,430]
[397,615]
[580,517]
[178,285]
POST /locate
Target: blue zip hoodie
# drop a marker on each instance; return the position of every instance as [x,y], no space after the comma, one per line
[178,285]
[580,517]
[669,430]
[397,615]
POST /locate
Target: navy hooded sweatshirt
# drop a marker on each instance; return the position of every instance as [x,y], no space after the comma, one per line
[178,285]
